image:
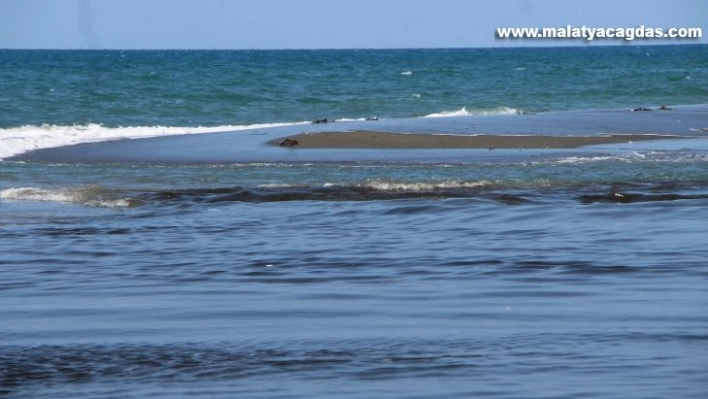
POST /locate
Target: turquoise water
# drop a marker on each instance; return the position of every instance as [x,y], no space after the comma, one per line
[214,265]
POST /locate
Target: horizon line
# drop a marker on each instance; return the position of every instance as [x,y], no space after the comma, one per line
[344,48]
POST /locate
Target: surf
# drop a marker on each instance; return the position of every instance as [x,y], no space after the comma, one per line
[18,140]
[476,112]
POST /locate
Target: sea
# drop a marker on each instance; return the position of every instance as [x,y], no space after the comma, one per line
[153,244]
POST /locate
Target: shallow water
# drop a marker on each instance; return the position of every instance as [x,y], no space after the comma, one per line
[522,284]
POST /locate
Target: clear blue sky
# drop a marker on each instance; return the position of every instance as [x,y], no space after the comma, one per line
[287,24]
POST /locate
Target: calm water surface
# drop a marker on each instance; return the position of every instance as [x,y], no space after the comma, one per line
[491,290]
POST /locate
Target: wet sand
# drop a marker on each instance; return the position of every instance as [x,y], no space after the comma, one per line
[386,140]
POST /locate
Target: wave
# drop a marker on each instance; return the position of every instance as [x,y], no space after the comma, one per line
[476,112]
[91,195]
[508,192]
[401,186]
[18,140]
[99,196]
[670,157]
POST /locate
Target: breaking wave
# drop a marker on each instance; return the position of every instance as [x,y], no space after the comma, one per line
[476,112]
[91,195]
[401,186]
[18,140]
[505,192]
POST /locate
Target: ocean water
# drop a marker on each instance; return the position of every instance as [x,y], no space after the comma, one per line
[198,261]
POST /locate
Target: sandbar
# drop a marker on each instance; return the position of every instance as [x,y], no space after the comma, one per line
[386,140]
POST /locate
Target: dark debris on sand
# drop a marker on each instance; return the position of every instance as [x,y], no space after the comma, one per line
[288,143]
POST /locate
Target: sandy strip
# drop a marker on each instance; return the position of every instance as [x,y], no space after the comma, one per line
[384,140]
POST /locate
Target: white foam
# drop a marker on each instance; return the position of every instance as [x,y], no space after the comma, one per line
[17,140]
[425,186]
[672,156]
[407,73]
[397,186]
[279,185]
[91,195]
[582,160]
[477,112]
[351,120]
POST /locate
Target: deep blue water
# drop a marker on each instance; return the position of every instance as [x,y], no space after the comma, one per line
[213,88]
[159,268]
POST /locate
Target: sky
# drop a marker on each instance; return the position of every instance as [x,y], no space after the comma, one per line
[318,24]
